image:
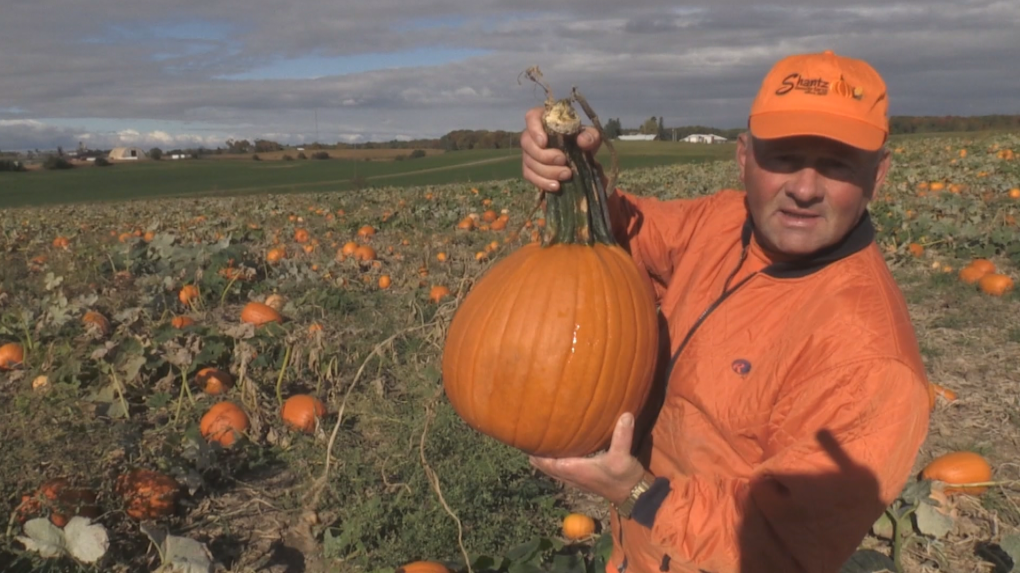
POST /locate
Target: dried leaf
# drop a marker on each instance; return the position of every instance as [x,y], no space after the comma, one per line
[179,554]
[43,537]
[86,541]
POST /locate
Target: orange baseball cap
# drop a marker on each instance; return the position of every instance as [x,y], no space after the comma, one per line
[822,94]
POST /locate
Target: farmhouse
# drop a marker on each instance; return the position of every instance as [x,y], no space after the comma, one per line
[704,138]
[126,154]
[639,137]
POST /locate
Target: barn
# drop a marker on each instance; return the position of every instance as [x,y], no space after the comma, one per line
[126,154]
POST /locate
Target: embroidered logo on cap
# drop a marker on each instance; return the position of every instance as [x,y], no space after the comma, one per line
[794,81]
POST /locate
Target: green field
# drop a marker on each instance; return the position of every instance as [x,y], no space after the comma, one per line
[152,179]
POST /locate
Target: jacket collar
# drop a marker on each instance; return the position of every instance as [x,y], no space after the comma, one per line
[859,237]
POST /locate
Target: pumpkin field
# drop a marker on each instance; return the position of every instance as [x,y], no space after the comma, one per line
[253,383]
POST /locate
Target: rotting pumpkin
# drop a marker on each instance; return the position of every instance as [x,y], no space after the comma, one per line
[147,494]
[559,339]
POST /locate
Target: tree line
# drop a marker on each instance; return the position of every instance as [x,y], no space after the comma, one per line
[499,139]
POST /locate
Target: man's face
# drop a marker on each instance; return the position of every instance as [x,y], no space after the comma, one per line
[806,193]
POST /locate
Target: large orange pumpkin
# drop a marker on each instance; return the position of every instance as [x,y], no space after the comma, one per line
[223,423]
[959,468]
[558,339]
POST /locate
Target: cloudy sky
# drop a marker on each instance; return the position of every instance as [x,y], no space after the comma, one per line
[195,72]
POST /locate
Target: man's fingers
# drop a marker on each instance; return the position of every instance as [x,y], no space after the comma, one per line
[589,139]
[533,126]
[623,436]
[545,171]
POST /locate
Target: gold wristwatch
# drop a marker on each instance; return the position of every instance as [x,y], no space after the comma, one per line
[627,506]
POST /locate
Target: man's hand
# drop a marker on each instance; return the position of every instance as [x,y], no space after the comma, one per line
[543,167]
[611,474]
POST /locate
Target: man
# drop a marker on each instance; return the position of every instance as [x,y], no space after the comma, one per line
[795,397]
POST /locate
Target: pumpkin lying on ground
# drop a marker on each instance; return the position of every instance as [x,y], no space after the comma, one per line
[578,526]
[214,381]
[11,354]
[258,313]
[61,500]
[223,423]
[302,411]
[959,468]
[148,494]
[558,339]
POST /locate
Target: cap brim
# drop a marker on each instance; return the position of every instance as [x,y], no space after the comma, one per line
[855,133]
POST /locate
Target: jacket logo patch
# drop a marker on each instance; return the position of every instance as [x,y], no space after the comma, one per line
[741,366]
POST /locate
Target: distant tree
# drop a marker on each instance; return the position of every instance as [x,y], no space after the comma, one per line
[156,153]
[612,128]
[417,153]
[56,162]
[650,126]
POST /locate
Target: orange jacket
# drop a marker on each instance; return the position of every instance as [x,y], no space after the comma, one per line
[796,400]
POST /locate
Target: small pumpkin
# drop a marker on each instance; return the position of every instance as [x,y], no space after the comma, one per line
[438,293]
[983,265]
[182,321]
[223,423]
[578,526]
[147,494]
[385,282]
[366,231]
[995,284]
[188,294]
[11,354]
[971,274]
[214,381]
[364,253]
[302,411]
[258,313]
[96,321]
[275,255]
[959,468]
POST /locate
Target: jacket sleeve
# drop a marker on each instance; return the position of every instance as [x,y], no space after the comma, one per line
[841,448]
[655,232]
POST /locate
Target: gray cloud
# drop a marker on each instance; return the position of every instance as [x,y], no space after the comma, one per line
[129,61]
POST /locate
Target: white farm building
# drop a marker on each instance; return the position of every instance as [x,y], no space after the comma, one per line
[704,138]
[126,154]
[639,137]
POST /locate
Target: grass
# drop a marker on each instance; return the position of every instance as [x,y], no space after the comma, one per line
[191,178]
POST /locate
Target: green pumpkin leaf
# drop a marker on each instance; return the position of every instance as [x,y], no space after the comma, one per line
[869,561]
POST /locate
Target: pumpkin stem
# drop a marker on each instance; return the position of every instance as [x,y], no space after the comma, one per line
[579,212]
